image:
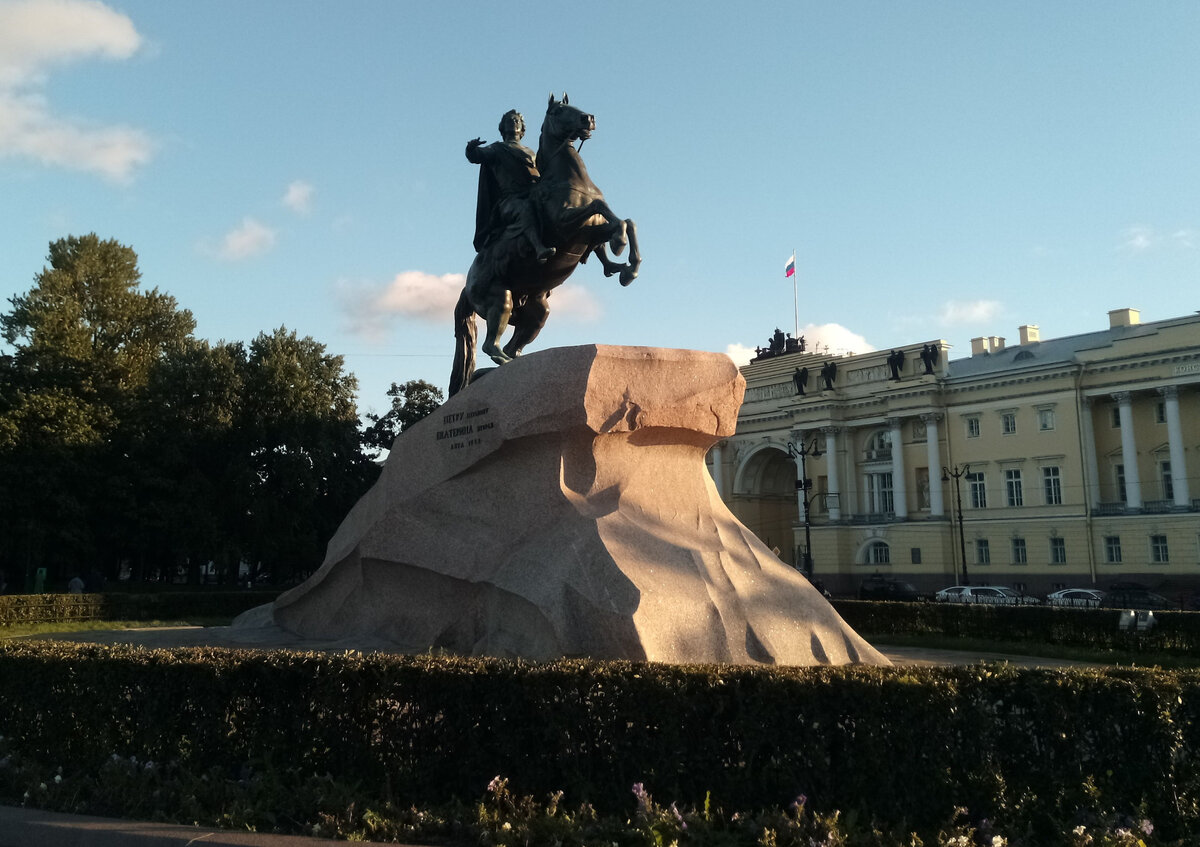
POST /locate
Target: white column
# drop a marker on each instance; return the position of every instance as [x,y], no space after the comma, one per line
[937,507]
[1089,455]
[1179,473]
[1133,482]
[718,472]
[831,465]
[899,492]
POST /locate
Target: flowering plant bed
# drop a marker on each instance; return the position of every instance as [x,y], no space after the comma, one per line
[403,747]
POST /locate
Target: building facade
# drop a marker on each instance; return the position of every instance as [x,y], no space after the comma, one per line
[1068,462]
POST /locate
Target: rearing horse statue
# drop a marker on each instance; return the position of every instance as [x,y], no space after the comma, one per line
[507,285]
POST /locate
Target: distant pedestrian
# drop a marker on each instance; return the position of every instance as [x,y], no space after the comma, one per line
[75,586]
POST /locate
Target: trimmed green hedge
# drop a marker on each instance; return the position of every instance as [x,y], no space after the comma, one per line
[1177,632]
[1029,748]
[168,605]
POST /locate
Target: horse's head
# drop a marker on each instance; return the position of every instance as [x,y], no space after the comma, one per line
[565,122]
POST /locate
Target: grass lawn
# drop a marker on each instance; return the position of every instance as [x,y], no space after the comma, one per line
[20,630]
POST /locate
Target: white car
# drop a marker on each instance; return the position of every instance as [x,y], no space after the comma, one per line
[1087,597]
[996,595]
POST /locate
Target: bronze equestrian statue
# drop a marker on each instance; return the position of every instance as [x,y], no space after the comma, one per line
[535,222]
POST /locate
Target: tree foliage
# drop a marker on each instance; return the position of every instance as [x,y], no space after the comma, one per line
[123,438]
[411,401]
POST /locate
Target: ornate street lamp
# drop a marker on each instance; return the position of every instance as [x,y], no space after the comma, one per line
[958,473]
[804,487]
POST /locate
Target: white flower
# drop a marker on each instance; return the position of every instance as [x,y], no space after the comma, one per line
[506,827]
[1079,830]
[999,841]
[57,779]
[42,787]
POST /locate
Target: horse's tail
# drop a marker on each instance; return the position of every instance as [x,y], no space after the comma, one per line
[464,345]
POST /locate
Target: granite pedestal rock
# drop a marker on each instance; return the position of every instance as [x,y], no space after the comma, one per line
[561,506]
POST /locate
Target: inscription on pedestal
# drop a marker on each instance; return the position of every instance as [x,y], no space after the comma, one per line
[462,429]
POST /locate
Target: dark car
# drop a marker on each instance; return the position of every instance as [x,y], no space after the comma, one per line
[887,588]
[1132,595]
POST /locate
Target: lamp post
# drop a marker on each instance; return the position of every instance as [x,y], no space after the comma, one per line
[958,473]
[803,487]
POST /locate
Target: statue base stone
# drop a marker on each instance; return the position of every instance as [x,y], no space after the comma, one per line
[561,507]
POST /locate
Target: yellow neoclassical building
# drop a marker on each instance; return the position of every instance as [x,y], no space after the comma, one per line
[1075,459]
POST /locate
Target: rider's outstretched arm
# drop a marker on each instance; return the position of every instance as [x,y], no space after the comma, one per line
[477,154]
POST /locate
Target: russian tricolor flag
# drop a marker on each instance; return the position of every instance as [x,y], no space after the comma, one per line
[790,270]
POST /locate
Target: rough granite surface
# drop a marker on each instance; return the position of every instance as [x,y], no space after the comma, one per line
[561,506]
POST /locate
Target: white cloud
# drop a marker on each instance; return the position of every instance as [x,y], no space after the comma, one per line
[834,338]
[249,239]
[38,35]
[574,303]
[740,353]
[958,313]
[829,338]
[1137,239]
[1185,238]
[370,310]
[298,197]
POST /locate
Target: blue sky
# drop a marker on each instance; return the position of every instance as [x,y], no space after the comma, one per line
[942,169]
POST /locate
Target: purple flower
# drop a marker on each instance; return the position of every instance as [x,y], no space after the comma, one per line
[1147,827]
[679,817]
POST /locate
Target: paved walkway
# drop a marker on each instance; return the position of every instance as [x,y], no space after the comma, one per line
[274,637]
[34,828]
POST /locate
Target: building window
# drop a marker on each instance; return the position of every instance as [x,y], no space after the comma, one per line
[1058,551]
[1164,474]
[1112,549]
[879,493]
[1008,423]
[1012,487]
[983,553]
[915,552]
[978,491]
[878,554]
[1116,417]
[1020,555]
[1119,472]
[1045,419]
[1158,550]
[1160,412]
[1052,485]
[972,427]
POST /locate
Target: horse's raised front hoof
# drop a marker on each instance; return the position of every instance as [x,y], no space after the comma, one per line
[628,275]
[500,358]
[546,254]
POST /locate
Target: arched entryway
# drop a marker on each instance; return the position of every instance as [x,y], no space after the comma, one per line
[764,498]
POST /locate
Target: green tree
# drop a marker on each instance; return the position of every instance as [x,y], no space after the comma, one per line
[306,466]
[85,339]
[411,401]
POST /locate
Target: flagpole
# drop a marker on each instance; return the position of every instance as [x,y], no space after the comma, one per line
[796,301]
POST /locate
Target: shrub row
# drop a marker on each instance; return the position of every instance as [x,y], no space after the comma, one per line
[1174,632]
[174,605]
[1037,749]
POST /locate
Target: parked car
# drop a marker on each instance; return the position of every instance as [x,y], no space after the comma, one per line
[1133,595]
[887,588]
[996,595]
[1087,597]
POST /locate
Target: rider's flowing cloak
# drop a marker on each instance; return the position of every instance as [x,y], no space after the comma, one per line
[490,193]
